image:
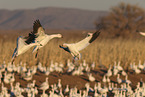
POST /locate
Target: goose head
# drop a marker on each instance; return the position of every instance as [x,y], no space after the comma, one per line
[64,45]
[90,34]
[59,36]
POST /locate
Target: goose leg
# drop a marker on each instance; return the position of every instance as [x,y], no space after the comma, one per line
[36,53]
[13,59]
[75,60]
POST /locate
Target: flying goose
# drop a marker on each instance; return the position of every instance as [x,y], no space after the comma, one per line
[25,43]
[41,37]
[74,48]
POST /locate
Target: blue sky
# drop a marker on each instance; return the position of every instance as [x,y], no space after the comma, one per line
[80,4]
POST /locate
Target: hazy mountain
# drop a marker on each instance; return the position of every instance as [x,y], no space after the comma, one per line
[50,18]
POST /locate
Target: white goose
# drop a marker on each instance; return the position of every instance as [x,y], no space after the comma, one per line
[66,90]
[27,75]
[25,43]
[74,48]
[41,37]
[45,85]
[59,83]
[91,77]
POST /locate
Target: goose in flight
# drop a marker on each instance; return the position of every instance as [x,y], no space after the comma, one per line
[23,44]
[41,37]
[74,48]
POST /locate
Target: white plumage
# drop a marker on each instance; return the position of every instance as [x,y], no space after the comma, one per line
[36,38]
[74,48]
[22,47]
[41,37]
[45,85]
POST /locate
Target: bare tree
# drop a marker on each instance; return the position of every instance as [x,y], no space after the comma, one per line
[123,19]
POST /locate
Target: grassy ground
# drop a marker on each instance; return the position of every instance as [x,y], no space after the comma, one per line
[105,50]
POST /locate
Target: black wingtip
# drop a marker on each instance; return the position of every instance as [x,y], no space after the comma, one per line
[95,35]
[36,25]
[60,46]
[36,55]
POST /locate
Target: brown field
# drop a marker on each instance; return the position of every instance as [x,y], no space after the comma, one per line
[104,50]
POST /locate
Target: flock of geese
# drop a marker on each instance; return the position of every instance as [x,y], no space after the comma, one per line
[120,88]
[38,38]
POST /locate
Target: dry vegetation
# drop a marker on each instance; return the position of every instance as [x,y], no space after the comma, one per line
[104,50]
[119,40]
[124,19]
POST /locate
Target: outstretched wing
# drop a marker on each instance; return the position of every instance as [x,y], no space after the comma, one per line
[95,35]
[37,28]
[30,38]
[37,31]
[85,42]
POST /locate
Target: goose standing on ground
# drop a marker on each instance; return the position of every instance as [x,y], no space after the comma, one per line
[25,43]
[74,48]
[41,37]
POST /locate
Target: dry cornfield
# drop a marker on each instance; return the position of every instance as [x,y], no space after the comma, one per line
[104,50]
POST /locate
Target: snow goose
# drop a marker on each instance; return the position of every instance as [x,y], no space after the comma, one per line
[44,95]
[9,78]
[91,77]
[96,94]
[41,37]
[88,88]
[31,85]
[24,44]
[35,90]
[66,90]
[119,80]
[33,70]
[119,67]
[126,80]
[74,48]
[12,79]
[24,69]
[108,79]
[10,67]
[54,87]
[47,72]
[103,91]
[115,70]
[109,72]
[140,66]
[123,73]
[40,67]
[59,83]
[93,65]
[3,66]
[44,86]
[104,79]
[137,71]
[27,76]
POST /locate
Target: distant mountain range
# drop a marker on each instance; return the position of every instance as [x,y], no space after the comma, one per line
[50,18]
